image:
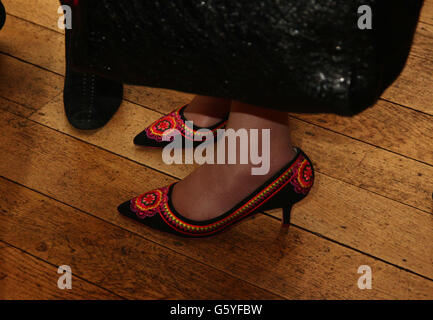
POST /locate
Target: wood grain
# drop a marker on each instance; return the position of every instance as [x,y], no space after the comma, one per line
[414,87]
[41,12]
[15,108]
[23,277]
[107,255]
[427,12]
[423,42]
[96,181]
[26,85]
[33,43]
[299,265]
[386,125]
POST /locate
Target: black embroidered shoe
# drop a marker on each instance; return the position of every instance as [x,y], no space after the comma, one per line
[287,187]
[174,124]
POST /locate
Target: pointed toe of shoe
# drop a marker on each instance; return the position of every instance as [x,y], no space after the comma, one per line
[144,141]
[141,139]
[125,209]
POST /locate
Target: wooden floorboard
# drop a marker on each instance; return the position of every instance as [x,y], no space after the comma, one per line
[33,43]
[423,42]
[15,108]
[427,12]
[25,277]
[26,85]
[363,215]
[95,181]
[41,12]
[386,125]
[413,88]
[109,256]
[372,202]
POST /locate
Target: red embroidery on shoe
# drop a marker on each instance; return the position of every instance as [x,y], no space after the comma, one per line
[171,122]
[161,127]
[303,177]
[148,204]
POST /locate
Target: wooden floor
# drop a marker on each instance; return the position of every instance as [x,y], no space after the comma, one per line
[59,189]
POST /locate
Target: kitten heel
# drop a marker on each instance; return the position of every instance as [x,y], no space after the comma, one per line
[286,215]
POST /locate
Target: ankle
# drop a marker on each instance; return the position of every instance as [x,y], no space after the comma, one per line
[202,120]
[207,111]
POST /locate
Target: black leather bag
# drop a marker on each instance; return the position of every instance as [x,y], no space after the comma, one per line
[294,55]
